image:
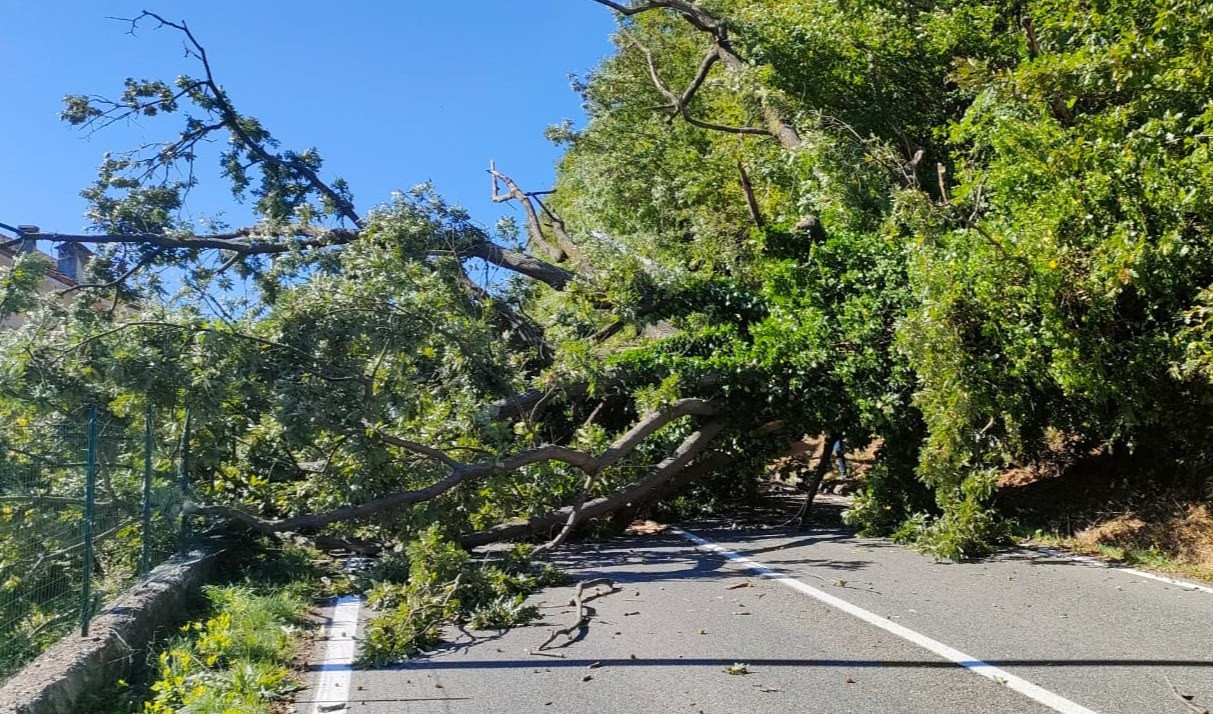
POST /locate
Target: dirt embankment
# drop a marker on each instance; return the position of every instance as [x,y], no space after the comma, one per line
[1100,501]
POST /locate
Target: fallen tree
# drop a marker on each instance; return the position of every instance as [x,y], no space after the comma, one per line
[432,242]
[462,473]
[747,229]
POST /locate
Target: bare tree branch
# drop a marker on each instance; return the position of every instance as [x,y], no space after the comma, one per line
[574,517]
[534,227]
[140,265]
[751,201]
[779,124]
[678,104]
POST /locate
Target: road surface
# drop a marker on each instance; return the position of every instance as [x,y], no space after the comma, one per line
[823,621]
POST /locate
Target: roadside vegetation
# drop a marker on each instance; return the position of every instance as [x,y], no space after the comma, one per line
[245,649]
[1171,537]
[240,652]
[976,233]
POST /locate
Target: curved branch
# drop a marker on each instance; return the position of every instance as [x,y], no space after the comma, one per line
[140,265]
[678,103]
[421,449]
[461,472]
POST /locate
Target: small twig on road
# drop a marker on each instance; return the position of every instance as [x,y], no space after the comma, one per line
[1185,698]
[840,583]
[583,618]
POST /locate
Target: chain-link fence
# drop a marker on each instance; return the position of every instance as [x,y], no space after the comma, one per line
[87,506]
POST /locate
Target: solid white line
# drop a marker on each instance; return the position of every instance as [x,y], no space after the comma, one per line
[1055,702]
[1186,585]
[336,667]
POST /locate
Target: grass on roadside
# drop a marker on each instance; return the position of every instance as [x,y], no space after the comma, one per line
[236,657]
[1148,558]
[236,660]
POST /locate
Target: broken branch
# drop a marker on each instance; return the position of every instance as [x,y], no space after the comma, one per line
[583,616]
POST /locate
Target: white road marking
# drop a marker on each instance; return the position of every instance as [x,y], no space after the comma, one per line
[1186,585]
[336,667]
[1054,701]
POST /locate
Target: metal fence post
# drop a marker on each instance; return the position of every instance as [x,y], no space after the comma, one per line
[90,486]
[145,557]
[184,480]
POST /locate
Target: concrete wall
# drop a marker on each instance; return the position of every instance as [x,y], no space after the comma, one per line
[118,641]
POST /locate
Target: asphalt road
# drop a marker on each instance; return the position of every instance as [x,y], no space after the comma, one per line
[1089,638]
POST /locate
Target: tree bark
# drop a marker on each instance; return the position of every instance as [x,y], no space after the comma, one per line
[637,492]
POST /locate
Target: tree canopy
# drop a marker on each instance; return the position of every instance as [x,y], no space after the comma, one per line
[955,229]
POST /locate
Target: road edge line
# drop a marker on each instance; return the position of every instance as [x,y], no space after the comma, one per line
[337,673]
[1035,692]
[1078,557]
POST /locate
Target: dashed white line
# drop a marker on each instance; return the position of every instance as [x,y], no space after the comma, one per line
[1052,700]
[336,667]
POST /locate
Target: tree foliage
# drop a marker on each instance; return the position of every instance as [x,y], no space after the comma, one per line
[951,226]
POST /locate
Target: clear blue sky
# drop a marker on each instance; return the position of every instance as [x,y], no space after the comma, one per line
[392,93]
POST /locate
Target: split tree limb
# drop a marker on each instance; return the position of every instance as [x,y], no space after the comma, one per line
[564,248]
